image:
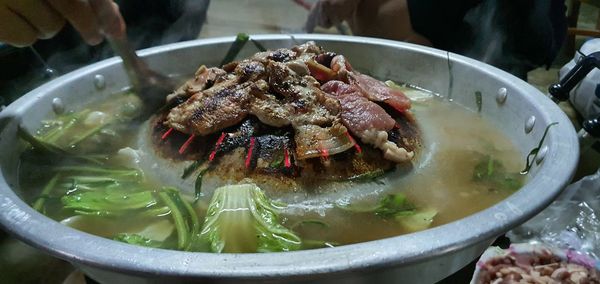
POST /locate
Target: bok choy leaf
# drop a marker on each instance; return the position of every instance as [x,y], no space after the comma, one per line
[241,218]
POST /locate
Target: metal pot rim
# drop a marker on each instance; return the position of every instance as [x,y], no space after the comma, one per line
[70,244]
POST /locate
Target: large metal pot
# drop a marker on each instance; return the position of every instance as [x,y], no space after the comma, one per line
[515,108]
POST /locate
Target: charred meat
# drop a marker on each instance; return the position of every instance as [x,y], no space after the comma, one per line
[309,109]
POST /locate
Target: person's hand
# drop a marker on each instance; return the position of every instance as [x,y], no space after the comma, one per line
[25,21]
[377,18]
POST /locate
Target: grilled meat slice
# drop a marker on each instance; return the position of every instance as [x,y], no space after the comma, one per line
[366,120]
[268,109]
[316,141]
[207,112]
[249,70]
[358,113]
[378,91]
[308,47]
[203,78]
[301,93]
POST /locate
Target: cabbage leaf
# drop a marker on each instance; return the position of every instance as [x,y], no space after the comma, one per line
[241,218]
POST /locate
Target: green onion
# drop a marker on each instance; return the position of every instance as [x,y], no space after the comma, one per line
[235,48]
[534,152]
[198,185]
[39,203]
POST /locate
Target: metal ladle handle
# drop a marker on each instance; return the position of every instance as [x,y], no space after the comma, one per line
[133,65]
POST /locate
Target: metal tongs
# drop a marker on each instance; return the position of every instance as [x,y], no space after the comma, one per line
[150,85]
[590,131]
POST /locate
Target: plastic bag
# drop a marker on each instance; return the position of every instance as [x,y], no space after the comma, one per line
[571,222]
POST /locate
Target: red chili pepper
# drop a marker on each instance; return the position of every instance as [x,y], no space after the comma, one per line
[214,151]
[324,153]
[164,136]
[250,149]
[286,158]
[186,144]
[356,146]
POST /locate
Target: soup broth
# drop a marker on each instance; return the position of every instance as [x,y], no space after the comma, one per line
[465,165]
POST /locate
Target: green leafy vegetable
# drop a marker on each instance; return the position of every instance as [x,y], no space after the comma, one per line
[198,184]
[184,217]
[418,221]
[136,239]
[38,144]
[240,218]
[494,174]
[394,204]
[388,206]
[108,202]
[38,205]
[87,134]
[534,152]
[235,48]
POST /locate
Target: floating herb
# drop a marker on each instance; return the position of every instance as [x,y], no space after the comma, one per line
[534,152]
[368,176]
[235,48]
[198,184]
[494,174]
[388,206]
[39,203]
[191,168]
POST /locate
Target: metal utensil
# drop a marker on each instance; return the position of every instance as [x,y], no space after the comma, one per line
[149,84]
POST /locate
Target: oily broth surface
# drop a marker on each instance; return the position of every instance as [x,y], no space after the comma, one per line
[441,178]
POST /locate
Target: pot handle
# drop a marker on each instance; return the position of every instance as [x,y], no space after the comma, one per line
[560,91]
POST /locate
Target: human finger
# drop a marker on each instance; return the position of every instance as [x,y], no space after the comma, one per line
[14,30]
[81,16]
[40,15]
[110,19]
